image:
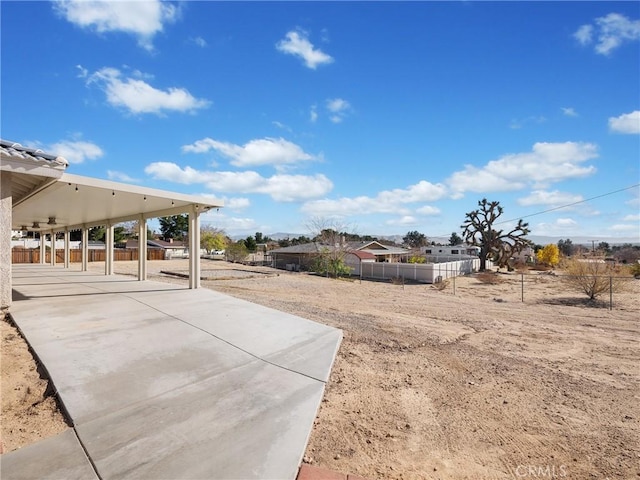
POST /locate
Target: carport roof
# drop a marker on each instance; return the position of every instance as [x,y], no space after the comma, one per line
[44,195]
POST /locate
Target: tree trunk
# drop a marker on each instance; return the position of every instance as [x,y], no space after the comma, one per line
[483,260]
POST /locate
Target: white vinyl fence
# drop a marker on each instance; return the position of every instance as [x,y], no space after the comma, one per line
[420,272]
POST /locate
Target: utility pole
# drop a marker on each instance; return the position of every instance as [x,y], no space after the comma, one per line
[593,247]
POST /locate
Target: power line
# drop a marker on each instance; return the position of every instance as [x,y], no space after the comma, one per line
[563,206]
[571,204]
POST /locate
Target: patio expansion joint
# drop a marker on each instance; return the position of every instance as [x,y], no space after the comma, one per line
[131,297]
[257,357]
[56,394]
[86,453]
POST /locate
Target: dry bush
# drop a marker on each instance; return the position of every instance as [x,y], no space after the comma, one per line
[488,278]
[593,277]
[442,284]
[397,280]
[539,267]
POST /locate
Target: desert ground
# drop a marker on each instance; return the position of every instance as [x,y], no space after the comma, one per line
[441,384]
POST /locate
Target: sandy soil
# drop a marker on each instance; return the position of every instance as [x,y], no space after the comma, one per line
[429,384]
[29,410]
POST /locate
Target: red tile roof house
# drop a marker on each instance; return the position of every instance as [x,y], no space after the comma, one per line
[300,257]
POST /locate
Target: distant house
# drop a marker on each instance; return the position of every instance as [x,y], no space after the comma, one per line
[301,257]
[356,258]
[172,248]
[526,255]
[468,250]
[382,253]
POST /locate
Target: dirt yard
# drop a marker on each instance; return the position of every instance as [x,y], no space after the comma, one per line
[477,385]
[29,410]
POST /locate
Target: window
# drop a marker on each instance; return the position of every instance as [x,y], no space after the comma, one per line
[455,252]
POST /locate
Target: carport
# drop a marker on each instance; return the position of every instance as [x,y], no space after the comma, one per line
[38,195]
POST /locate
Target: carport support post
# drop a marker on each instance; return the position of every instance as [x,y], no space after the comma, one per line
[43,250]
[108,259]
[52,239]
[6,205]
[194,247]
[142,248]
[85,248]
[67,251]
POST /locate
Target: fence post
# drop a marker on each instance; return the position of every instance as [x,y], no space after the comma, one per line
[454,285]
[610,293]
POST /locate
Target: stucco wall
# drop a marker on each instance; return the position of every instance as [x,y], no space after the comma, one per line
[5,241]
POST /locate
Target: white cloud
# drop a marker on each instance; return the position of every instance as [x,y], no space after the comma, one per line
[282,126]
[634,202]
[282,188]
[388,201]
[240,224]
[632,218]
[546,163]
[199,41]
[428,210]
[609,32]
[626,123]
[555,198]
[561,227]
[263,151]
[76,151]
[137,96]
[296,43]
[313,114]
[584,34]
[566,222]
[404,221]
[121,177]
[338,109]
[143,19]
[625,228]
[83,72]
[236,203]
[569,112]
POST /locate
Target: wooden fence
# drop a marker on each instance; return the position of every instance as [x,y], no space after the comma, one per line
[20,255]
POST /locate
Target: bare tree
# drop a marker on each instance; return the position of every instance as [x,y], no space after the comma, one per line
[330,237]
[497,245]
[592,277]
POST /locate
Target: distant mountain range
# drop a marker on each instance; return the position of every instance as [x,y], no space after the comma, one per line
[537,239]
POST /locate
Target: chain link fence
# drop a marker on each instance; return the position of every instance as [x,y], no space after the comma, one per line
[605,291]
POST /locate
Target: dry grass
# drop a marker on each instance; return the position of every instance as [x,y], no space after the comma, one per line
[442,285]
[488,278]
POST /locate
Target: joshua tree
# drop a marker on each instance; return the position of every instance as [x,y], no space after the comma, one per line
[497,245]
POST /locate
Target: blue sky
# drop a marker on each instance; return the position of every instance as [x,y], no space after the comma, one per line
[388,117]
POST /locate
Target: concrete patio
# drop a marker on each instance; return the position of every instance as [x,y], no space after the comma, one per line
[166,382]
